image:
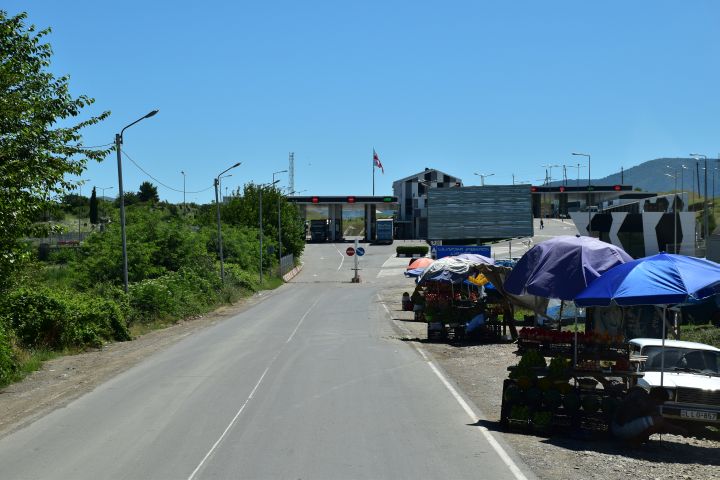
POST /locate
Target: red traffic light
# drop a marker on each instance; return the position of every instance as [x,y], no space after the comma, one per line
[562,189]
[533,189]
[617,188]
[351,199]
[315,200]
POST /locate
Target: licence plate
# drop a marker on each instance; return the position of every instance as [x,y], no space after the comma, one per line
[700,415]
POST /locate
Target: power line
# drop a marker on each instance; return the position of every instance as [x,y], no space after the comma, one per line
[158,181]
[83,147]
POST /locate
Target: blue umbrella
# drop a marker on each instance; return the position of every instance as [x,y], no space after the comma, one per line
[563,266]
[662,279]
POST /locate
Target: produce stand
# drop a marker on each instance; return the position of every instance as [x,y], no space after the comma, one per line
[547,397]
[448,310]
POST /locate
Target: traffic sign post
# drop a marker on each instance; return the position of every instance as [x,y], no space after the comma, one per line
[351,252]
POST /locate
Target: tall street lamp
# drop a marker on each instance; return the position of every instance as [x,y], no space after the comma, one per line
[550,167]
[483,176]
[217,204]
[674,212]
[220,187]
[260,189]
[183,174]
[118,146]
[706,214]
[102,189]
[588,195]
[279,225]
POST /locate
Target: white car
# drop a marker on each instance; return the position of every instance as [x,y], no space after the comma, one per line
[691,377]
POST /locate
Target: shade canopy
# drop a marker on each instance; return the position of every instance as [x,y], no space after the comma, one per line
[453,269]
[421,262]
[662,279]
[564,266]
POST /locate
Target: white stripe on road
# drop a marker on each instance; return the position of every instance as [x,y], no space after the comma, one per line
[519,475]
[252,394]
[342,257]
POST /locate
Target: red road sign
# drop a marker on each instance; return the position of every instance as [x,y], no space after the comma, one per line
[350,251]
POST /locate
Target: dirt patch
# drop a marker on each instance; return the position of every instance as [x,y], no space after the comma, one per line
[64,379]
[479,370]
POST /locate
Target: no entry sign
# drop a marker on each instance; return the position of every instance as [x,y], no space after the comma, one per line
[350,251]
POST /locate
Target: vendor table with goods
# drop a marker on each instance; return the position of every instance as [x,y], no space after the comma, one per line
[544,396]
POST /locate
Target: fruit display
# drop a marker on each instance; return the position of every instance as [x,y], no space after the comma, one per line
[541,396]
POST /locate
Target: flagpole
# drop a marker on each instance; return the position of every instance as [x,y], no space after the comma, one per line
[373,168]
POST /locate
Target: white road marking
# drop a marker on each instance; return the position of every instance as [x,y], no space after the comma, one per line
[519,475]
[342,257]
[390,272]
[252,394]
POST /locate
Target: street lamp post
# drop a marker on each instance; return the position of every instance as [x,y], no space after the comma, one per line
[260,189]
[674,212]
[217,205]
[183,174]
[102,189]
[118,147]
[706,214]
[222,198]
[588,199]
[279,226]
[483,176]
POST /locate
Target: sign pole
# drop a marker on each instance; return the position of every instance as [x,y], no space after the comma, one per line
[357,278]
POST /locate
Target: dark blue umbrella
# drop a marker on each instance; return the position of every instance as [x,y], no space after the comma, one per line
[662,279]
[564,266]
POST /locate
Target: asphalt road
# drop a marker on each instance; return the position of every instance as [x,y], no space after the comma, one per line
[311,383]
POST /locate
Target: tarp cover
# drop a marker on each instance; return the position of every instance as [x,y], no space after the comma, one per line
[453,269]
[564,266]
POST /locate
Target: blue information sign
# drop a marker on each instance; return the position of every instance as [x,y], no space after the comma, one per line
[360,251]
[440,251]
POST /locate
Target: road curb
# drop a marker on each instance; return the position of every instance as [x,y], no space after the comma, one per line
[291,274]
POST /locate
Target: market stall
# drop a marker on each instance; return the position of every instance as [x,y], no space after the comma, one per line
[584,393]
[451,298]
[565,379]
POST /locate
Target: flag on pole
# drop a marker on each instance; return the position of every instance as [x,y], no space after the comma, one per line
[376,159]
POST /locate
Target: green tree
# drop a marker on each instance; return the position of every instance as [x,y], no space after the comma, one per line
[39,144]
[148,193]
[93,207]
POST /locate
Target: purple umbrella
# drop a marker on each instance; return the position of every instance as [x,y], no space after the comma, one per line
[564,266]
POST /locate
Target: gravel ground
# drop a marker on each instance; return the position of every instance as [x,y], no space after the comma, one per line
[479,371]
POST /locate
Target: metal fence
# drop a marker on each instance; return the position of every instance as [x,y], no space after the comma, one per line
[287,263]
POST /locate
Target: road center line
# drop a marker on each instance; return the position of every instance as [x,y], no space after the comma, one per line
[250,397]
[519,475]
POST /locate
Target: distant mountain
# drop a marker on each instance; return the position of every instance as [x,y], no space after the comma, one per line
[654,176]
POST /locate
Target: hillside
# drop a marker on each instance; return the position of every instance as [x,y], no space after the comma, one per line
[651,176]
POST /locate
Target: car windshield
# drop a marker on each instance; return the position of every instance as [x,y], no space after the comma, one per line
[683,359]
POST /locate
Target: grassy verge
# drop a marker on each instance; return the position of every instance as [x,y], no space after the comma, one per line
[31,361]
[707,334]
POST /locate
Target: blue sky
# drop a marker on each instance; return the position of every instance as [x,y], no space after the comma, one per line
[499,88]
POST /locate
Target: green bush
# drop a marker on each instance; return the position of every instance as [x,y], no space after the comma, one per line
[60,319]
[174,295]
[8,358]
[412,249]
[238,277]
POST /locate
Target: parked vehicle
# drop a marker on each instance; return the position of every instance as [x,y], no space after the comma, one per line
[690,376]
[319,230]
[384,231]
